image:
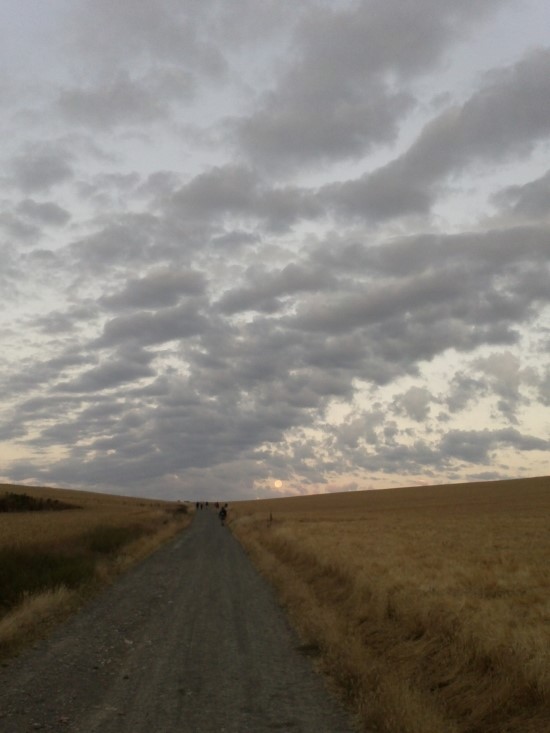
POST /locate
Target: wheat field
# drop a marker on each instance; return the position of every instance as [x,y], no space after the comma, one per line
[92,510]
[428,607]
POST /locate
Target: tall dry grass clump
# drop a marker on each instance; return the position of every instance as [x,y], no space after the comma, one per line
[429,608]
[57,547]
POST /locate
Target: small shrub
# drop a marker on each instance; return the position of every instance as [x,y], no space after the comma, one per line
[12,502]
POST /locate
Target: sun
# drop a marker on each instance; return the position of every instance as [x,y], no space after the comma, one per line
[278,483]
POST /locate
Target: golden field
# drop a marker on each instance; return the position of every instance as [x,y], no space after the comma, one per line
[428,607]
[50,561]
[93,510]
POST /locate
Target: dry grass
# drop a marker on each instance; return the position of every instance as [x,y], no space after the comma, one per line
[34,617]
[429,607]
[50,561]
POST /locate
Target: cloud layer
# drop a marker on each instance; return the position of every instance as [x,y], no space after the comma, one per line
[248,243]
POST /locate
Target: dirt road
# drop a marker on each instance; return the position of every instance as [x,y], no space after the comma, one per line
[190,641]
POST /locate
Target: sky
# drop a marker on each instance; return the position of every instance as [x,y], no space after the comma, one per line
[251,249]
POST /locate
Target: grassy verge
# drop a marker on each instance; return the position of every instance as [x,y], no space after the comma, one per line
[428,616]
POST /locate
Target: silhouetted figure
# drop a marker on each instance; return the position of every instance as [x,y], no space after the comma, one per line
[222,515]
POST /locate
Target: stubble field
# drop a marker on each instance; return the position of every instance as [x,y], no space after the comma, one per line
[429,607]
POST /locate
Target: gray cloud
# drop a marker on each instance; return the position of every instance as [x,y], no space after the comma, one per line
[341,93]
[236,191]
[46,212]
[160,185]
[383,447]
[18,228]
[158,289]
[10,273]
[475,446]
[110,374]
[157,327]
[126,240]
[264,288]
[161,30]
[123,100]
[284,131]
[415,403]
[41,167]
[504,373]
[527,201]
[504,119]
[544,390]
[464,390]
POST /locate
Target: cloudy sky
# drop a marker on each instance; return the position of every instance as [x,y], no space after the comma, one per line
[250,248]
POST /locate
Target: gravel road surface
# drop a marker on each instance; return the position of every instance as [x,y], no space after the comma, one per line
[189,641]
